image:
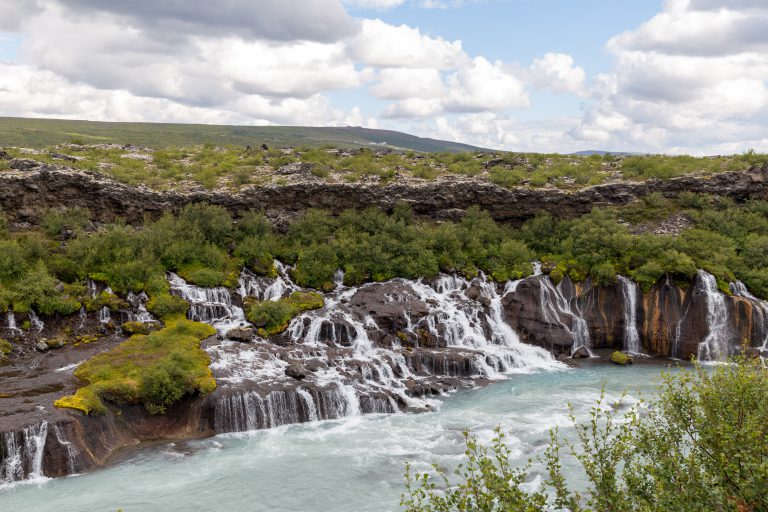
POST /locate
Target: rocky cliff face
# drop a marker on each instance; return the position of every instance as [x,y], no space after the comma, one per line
[378,348]
[666,321]
[32,188]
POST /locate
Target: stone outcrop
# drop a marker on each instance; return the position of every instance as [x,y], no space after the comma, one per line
[670,321]
[31,188]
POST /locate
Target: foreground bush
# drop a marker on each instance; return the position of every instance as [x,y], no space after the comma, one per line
[155,370]
[702,444]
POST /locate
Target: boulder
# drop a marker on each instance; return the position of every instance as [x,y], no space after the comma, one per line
[621,358]
[42,346]
[132,328]
[24,164]
[580,353]
[55,342]
[244,334]
[296,371]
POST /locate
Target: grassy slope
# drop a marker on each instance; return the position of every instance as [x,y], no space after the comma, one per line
[38,133]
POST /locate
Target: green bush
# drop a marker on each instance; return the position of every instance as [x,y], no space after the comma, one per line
[167,306]
[272,317]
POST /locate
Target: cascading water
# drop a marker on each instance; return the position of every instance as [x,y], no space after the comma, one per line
[105,316]
[22,454]
[716,346]
[37,324]
[209,305]
[739,289]
[554,304]
[629,292]
[10,324]
[139,305]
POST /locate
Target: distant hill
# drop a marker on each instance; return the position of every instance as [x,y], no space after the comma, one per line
[35,133]
[591,152]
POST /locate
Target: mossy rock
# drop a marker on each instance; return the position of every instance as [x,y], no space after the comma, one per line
[621,358]
[55,342]
[273,316]
[131,328]
[154,370]
[5,347]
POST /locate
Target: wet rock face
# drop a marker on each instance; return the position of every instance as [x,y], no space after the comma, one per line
[36,187]
[378,348]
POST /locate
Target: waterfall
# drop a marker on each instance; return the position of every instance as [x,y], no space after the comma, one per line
[10,324]
[37,324]
[70,448]
[264,288]
[22,454]
[629,292]
[554,304]
[210,305]
[139,303]
[105,316]
[83,317]
[739,289]
[716,345]
[252,410]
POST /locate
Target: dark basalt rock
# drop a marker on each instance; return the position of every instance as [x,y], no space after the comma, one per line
[24,164]
[244,334]
[296,371]
[44,186]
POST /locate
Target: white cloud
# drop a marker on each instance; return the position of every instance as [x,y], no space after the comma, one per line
[383,45]
[404,83]
[485,86]
[313,20]
[374,4]
[557,72]
[685,79]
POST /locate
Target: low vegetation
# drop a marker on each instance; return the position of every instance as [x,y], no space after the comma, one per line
[702,444]
[155,370]
[232,167]
[273,316]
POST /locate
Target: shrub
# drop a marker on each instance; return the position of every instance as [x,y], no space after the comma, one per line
[167,306]
[55,221]
[273,316]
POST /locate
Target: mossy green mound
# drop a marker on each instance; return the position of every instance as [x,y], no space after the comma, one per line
[5,347]
[273,317]
[621,358]
[155,370]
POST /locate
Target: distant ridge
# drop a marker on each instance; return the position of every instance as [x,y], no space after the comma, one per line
[591,152]
[36,133]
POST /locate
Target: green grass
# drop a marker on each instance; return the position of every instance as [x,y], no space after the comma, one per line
[40,133]
[155,370]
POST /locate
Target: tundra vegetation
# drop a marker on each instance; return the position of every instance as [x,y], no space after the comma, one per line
[233,167]
[700,444]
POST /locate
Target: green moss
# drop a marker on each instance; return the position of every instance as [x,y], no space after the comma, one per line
[621,358]
[132,328]
[273,317]
[5,347]
[155,370]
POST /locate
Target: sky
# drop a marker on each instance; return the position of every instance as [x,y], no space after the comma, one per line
[660,76]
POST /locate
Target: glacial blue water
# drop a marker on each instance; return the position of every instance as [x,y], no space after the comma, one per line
[352,464]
